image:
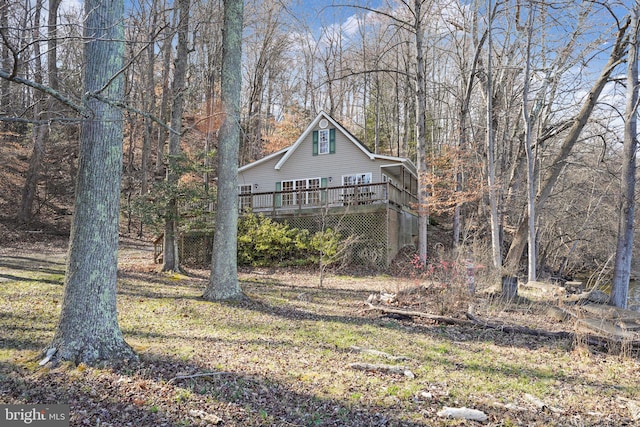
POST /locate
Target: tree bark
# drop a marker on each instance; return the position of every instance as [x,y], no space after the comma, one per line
[223,281]
[423,192]
[171,260]
[4,54]
[167,49]
[528,128]
[150,105]
[624,247]
[88,330]
[496,245]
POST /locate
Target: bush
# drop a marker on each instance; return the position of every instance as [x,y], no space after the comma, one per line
[265,242]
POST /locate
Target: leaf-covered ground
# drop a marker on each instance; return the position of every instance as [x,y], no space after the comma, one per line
[282,356]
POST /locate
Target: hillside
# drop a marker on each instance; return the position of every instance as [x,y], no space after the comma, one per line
[53,204]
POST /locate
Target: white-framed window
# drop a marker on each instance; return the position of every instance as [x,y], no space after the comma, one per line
[323,141]
[356,179]
[289,198]
[244,192]
[313,196]
[301,191]
[359,194]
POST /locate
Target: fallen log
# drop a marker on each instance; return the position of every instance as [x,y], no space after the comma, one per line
[473,320]
[408,313]
[590,339]
[519,329]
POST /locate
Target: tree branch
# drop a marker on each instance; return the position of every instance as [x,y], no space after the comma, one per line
[46,89]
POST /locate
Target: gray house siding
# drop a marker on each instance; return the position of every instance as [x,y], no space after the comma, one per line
[264,176]
[348,159]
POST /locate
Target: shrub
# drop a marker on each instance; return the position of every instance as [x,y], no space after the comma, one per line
[263,242]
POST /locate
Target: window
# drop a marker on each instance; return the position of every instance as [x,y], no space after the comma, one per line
[323,141]
[301,191]
[245,197]
[313,197]
[288,199]
[358,193]
[356,179]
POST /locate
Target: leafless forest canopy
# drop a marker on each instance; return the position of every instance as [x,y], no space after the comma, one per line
[490,69]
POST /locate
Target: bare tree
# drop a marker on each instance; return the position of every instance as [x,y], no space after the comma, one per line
[624,247]
[496,246]
[573,130]
[528,129]
[171,260]
[40,129]
[223,281]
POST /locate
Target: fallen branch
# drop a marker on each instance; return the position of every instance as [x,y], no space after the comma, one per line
[408,313]
[589,339]
[388,369]
[200,374]
[519,329]
[378,353]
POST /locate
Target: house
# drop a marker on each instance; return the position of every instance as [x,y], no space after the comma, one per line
[329,178]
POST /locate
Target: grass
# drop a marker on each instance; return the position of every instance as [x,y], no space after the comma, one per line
[282,357]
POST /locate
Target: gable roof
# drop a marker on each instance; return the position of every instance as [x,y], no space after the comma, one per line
[286,153]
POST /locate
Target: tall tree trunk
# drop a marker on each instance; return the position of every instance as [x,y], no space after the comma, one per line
[167,49]
[149,105]
[463,112]
[88,330]
[223,282]
[519,241]
[496,246]
[423,185]
[624,247]
[171,260]
[527,117]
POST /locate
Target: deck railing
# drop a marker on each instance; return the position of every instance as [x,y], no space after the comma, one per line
[347,195]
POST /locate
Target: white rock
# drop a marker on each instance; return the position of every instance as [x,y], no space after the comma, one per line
[48,356]
[465,413]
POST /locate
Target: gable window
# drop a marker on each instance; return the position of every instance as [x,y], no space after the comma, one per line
[245,197]
[324,141]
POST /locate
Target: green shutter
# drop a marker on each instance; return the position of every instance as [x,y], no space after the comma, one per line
[315,143]
[278,197]
[332,141]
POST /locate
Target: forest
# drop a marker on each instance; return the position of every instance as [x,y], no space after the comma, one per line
[122,121]
[513,112]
